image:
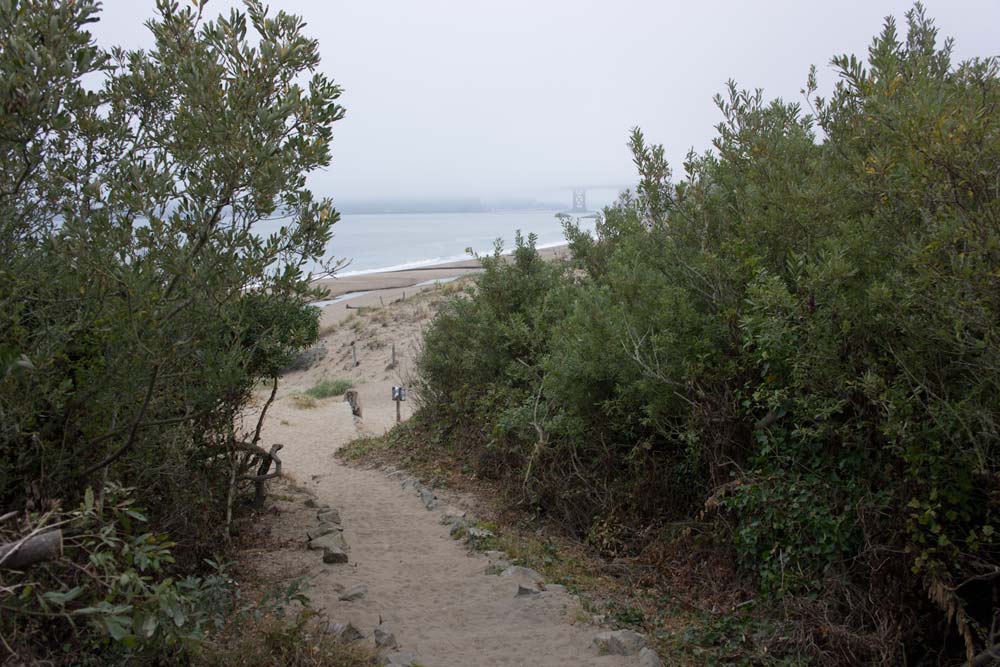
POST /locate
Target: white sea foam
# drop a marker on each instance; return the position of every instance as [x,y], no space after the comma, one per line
[418,264]
[397,242]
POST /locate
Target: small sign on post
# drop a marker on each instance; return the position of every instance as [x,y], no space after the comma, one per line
[398,395]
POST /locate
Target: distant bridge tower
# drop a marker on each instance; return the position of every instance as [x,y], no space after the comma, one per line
[579,201]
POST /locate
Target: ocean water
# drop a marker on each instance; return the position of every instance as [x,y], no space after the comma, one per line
[379,242]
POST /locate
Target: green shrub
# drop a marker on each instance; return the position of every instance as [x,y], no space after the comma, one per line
[111,593]
[327,388]
[142,299]
[801,332]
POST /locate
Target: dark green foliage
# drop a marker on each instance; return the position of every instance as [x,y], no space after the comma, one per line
[274,329]
[800,336]
[126,601]
[141,302]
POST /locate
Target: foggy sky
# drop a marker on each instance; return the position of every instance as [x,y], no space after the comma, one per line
[487,98]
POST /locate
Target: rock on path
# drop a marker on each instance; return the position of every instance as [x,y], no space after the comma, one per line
[620,642]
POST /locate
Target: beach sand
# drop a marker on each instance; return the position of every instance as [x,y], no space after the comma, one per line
[376,289]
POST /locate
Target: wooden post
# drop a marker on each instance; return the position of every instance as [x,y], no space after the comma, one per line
[381,300]
[354,352]
[397,411]
[392,364]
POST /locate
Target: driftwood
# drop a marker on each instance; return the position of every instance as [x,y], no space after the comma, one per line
[31,550]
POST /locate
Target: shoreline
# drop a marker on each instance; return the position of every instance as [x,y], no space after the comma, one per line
[371,289]
[436,263]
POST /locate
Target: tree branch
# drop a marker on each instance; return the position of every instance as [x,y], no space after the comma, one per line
[263,412]
[134,429]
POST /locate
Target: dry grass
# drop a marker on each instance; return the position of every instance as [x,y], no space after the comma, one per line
[380,316]
[303,401]
[273,641]
[453,287]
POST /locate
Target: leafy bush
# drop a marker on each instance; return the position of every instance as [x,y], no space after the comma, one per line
[110,594]
[142,296]
[799,336]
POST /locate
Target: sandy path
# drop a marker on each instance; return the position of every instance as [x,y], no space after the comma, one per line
[434,594]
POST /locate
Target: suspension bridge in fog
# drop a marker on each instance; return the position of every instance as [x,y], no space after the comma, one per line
[578,199]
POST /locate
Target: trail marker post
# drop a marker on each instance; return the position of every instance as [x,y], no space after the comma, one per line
[398,395]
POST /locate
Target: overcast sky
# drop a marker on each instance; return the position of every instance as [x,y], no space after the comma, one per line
[520,97]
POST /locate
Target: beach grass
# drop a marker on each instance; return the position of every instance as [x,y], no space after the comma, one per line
[303,402]
[327,388]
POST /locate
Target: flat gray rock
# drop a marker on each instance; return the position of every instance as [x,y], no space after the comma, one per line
[452,514]
[353,593]
[411,483]
[329,515]
[428,498]
[400,659]
[477,533]
[323,529]
[496,555]
[345,632]
[334,556]
[555,588]
[526,591]
[334,540]
[648,658]
[384,637]
[496,568]
[524,573]
[457,527]
[620,642]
